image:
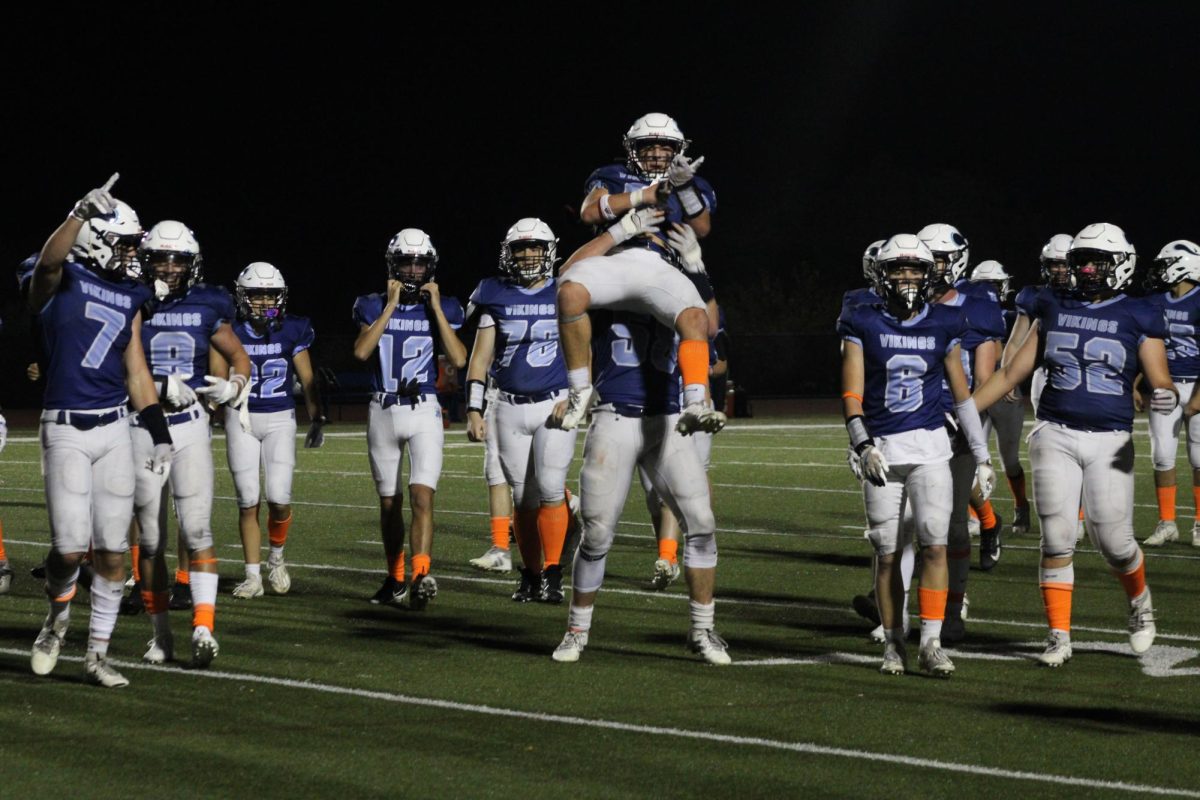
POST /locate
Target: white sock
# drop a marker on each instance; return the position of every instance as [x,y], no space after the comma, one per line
[106,604]
[702,614]
[580,619]
[253,570]
[204,588]
[578,378]
[693,393]
[930,629]
[276,554]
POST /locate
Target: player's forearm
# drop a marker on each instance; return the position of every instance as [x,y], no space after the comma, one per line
[141,387]
[1020,332]
[455,350]
[480,358]
[368,338]
[985,361]
[701,223]
[593,211]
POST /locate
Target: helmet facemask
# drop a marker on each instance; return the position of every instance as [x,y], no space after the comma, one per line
[1057,274]
[177,271]
[526,261]
[413,272]
[904,284]
[1095,272]
[650,157]
[262,307]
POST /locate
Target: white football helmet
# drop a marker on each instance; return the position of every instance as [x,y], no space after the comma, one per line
[1101,259]
[261,294]
[993,272]
[168,244]
[110,242]
[869,256]
[530,266]
[1054,262]
[411,259]
[903,250]
[1177,261]
[950,252]
[647,129]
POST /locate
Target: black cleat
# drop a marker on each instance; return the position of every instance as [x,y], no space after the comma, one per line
[530,588]
[552,591]
[989,546]
[865,607]
[180,598]
[391,593]
[39,571]
[132,603]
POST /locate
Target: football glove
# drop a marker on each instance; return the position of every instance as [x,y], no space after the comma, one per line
[159,463]
[684,242]
[1163,401]
[985,478]
[97,202]
[636,223]
[173,391]
[855,464]
[221,391]
[682,171]
[874,465]
[316,433]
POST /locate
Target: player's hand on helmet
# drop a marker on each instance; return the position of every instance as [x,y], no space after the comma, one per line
[683,170]
[221,391]
[476,427]
[3,432]
[159,463]
[394,289]
[1163,401]
[684,242]
[316,433]
[985,478]
[874,465]
[173,392]
[97,202]
[431,294]
[855,464]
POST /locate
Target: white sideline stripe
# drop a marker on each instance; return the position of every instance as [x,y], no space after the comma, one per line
[806,748]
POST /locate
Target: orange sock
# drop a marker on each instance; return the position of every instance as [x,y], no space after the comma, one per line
[1017,487]
[1056,597]
[1195,499]
[525,526]
[183,576]
[971,510]
[668,549]
[3,555]
[932,602]
[396,567]
[1166,502]
[500,532]
[277,531]
[135,556]
[155,602]
[987,516]
[1134,580]
[693,362]
[552,531]
[420,563]
[1081,512]
[204,614]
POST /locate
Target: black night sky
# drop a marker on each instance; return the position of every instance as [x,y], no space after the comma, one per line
[308,139]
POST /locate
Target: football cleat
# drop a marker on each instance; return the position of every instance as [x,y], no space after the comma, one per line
[878,635]
[48,644]
[1141,623]
[666,572]
[989,546]
[579,404]
[1058,650]
[530,588]
[571,647]
[424,588]
[39,571]
[6,576]
[132,604]
[391,593]
[204,647]
[98,671]
[1196,534]
[933,659]
[699,417]
[865,607]
[954,630]
[1020,523]
[181,597]
[1165,531]
[551,589]
[708,643]
[160,649]
[277,576]
[496,559]
[895,659]
[249,588]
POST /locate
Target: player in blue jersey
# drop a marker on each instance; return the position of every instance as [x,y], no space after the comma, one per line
[277,344]
[517,345]
[895,358]
[90,317]
[640,270]
[1091,341]
[635,424]
[189,318]
[1175,286]
[403,329]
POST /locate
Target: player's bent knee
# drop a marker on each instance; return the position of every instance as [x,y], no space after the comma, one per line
[692,323]
[700,550]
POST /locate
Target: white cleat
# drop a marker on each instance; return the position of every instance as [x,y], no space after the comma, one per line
[1058,650]
[699,417]
[48,644]
[204,647]
[249,588]
[98,671]
[1166,531]
[160,649]
[571,647]
[1196,533]
[6,576]
[895,659]
[878,636]
[1141,623]
[423,589]
[579,404]
[709,644]
[933,659]
[665,573]
[278,577]
[496,559]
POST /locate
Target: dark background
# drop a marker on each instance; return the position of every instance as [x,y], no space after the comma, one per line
[308,139]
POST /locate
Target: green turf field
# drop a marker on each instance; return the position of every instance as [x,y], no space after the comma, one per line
[321,694]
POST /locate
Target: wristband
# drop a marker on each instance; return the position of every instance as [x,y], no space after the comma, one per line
[475,390]
[155,422]
[689,196]
[635,198]
[605,209]
[860,439]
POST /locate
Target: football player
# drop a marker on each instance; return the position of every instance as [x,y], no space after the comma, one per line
[90,319]
[895,357]
[1091,340]
[497,557]
[402,328]
[1175,283]
[190,317]
[635,424]
[517,344]
[641,271]
[277,344]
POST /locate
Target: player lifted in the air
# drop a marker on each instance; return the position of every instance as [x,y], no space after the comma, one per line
[404,328]
[641,272]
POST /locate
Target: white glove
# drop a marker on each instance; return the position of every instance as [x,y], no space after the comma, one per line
[3,432]
[159,463]
[682,171]
[683,241]
[221,391]
[161,289]
[174,392]
[97,202]
[874,465]
[985,477]
[855,464]
[637,223]
[316,433]
[1163,401]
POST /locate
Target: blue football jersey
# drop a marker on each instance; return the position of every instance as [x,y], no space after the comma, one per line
[271,352]
[1182,316]
[85,328]
[1091,358]
[406,351]
[176,335]
[864,296]
[980,289]
[1026,299]
[633,359]
[984,323]
[527,359]
[904,364]
[617,179]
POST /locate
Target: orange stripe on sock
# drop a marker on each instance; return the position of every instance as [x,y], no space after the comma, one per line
[1166,502]
[932,602]
[500,531]
[67,596]
[135,557]
[668,549]
[552,531]
[204,614]
[396,568]
[420,564]
[987,515]
[277,531]
[156,602]
[1056,598]
[183,576]
[693,361]
[1134,581]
